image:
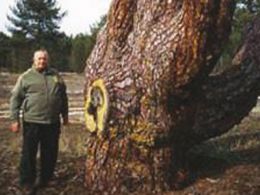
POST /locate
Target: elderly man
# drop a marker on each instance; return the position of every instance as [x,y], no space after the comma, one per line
[40,93]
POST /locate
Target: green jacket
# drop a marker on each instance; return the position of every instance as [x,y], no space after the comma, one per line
[41,97]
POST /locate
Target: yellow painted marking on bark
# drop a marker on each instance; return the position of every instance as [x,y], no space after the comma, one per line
[95,122]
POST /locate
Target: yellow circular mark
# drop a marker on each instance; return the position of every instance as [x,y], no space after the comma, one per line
[96,107]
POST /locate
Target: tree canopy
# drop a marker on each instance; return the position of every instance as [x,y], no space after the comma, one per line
[35,24]
[36,19]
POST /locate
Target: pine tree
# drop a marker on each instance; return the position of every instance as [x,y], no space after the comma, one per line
[83,44]
[5,51]
[38,20]
[245,11]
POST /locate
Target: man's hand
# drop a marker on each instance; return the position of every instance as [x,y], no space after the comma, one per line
[15,127]
[65,120]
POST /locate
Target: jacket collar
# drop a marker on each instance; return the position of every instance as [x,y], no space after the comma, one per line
[45,71]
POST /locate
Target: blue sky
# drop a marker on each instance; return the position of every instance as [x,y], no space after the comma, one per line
[81,14]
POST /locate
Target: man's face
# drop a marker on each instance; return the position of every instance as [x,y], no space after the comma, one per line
[40,60]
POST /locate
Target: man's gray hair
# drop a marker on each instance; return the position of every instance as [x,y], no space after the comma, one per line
[41,50]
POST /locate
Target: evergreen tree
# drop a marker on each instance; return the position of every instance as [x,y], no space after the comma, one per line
[251,6]
[5,51]
[21,52]
[35,24]
[36,19]
[95,28]
[83,44]
[244,12]
[78,52]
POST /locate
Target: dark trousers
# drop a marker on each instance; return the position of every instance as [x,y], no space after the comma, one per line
[45,136]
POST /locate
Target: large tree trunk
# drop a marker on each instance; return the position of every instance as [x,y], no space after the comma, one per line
[148,93]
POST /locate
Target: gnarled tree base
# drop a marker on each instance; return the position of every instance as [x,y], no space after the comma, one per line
[116,166]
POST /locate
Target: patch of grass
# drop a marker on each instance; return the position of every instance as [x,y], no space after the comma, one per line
[73,139]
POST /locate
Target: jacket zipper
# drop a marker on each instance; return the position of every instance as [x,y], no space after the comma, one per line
[47,91]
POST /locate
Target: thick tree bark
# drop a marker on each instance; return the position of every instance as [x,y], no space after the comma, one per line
[148,93]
